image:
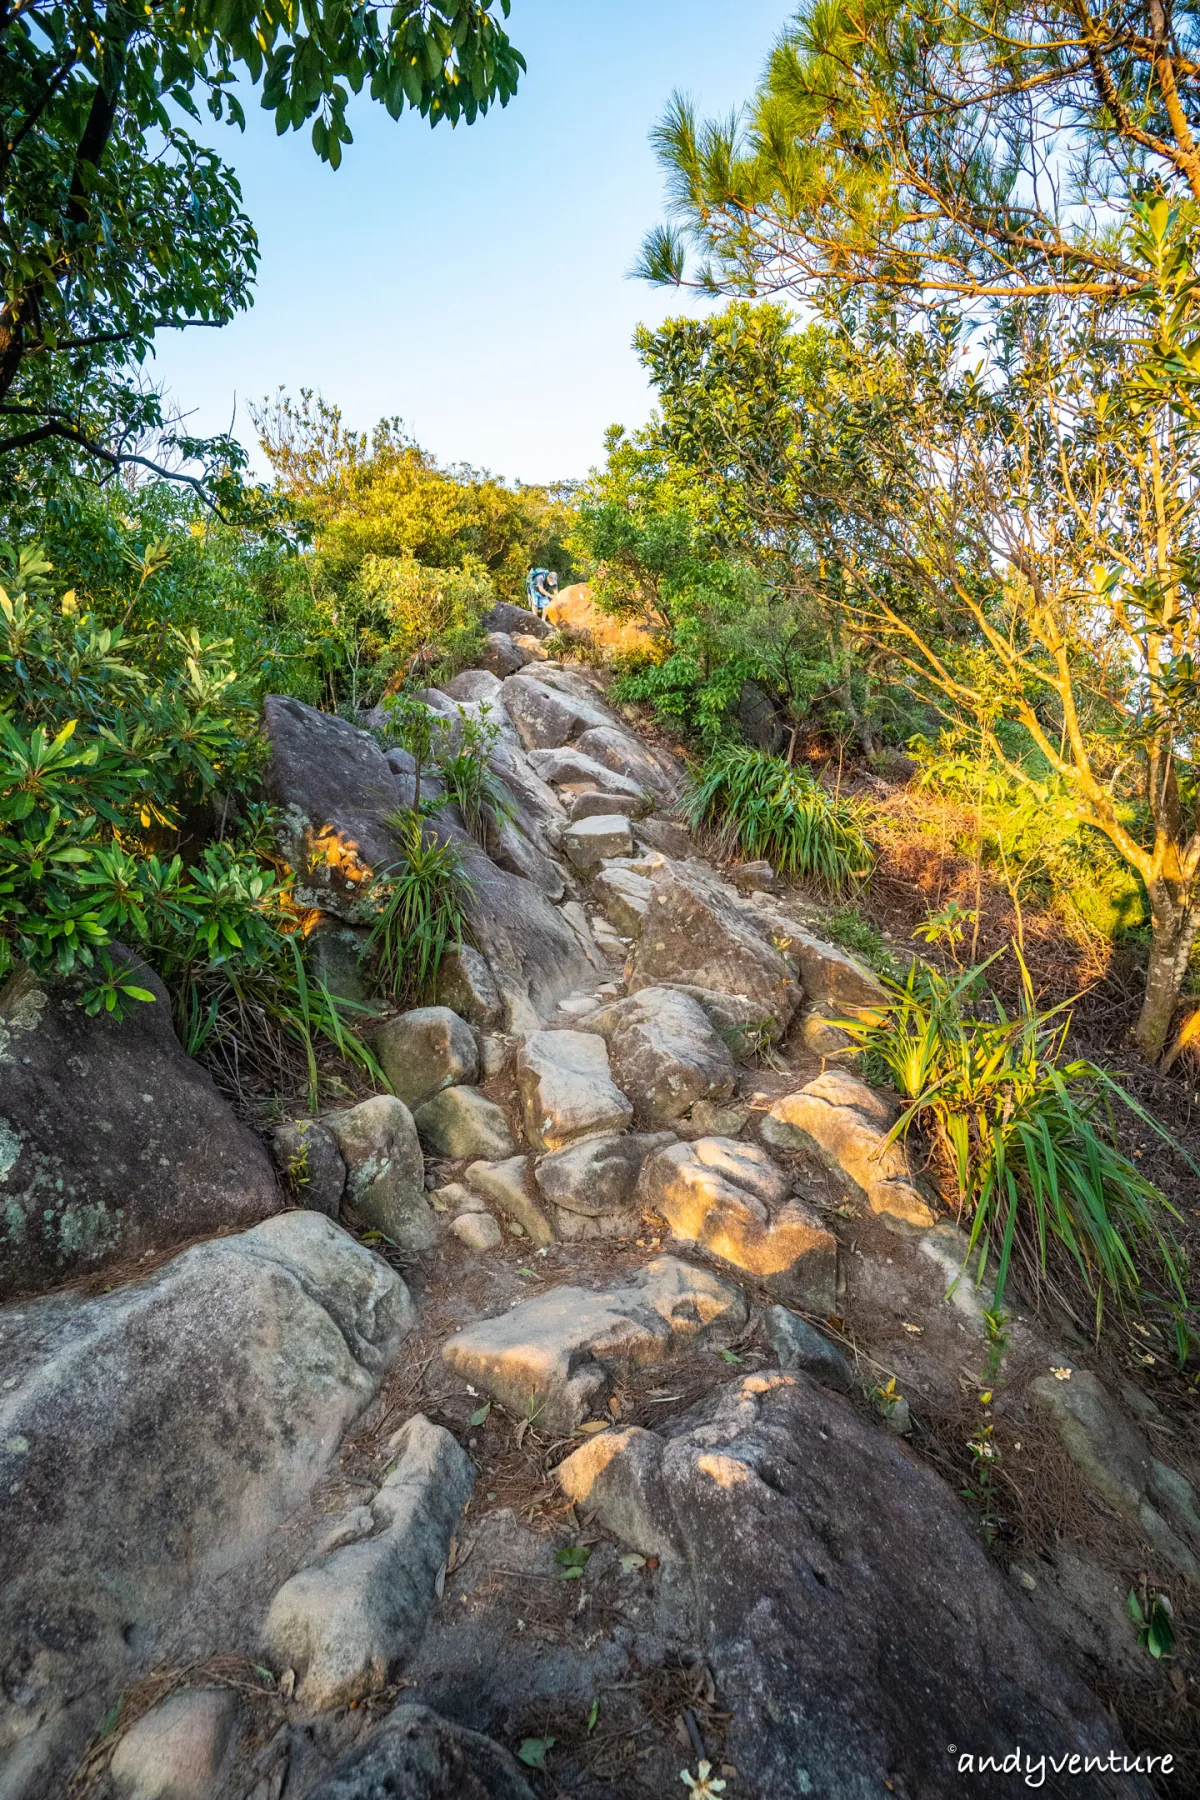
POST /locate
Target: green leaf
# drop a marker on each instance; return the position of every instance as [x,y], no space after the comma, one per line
[480,1415]
[593,1715]
[533,1751]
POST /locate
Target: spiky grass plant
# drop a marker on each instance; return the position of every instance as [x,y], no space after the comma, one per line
[423,911]
[482,798]
[1027,1134]
[760,806]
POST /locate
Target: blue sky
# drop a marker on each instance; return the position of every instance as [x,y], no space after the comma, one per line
[474,281]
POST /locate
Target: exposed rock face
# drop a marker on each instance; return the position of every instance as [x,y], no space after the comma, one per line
[500,656]
[556,1358]
[588,842]
[310,1165]
[653,770]
[112,1141]
[847,1124]
[416,1755]
[474,684]
[1115,1458]
[175,1751]
[592,1184]
[346,1623]
[337,790]
[834,979]
[624,897]
[831,1580]
[424,1051]
[571,768]
[731,1200]
[741,1023]
[591,803]
[545,716]
[799,1346]
[195,1411]
[460,1121]
[664,1053]
[566,1088]
[385,1170]
[503,1183]
[697,933]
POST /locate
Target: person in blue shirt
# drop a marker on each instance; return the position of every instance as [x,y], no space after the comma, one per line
[541,587]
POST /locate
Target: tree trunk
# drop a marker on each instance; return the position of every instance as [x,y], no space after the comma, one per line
[1174,924]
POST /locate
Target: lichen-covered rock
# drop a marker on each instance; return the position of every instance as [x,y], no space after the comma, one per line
[557,1357]
[848,1125]
[417,1755]
[385,1170]
[345,1623]
[424,1051]
[859,1635]
[504,1184]
[664,1053]
[730,1199]
[460,1121]
[589,841]
[696,932]
[310,1165]
[151,1440]
[112,1141]
[566,1088]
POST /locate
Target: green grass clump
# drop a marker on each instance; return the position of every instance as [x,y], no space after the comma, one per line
[1028,1136]
[760,806]
[423,914]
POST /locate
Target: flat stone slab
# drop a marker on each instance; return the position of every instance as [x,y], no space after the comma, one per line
[592,1184]
[566,1087]
[587,842]
[557,1357]
[847,1124]
[503,1183]
[730,1199]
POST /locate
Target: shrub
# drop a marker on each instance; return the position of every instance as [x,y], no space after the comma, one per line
[423,909]
[760,806]
[1028,1138]
[471,783]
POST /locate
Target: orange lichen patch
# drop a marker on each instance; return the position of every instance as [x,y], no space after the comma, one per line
[726,1471]
[338,853]
[291,919]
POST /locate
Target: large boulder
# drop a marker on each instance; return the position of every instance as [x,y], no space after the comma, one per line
[337,793]
[501,656]
[570,768]
[664,1053]
[546,716]
[592,1184]
[151,1440]
[460,1121]
[557,1357]
[346,1622]
[567,1090]
[698,933]
[473,684]
[623,895]
[112,1141]
[467,986]
[179,1749]
[425,1050]
[588,842]
[385,1170]
[859,1636]
[730,1199]
[417,1755]
[653,770]
[848,1125]
[504,616]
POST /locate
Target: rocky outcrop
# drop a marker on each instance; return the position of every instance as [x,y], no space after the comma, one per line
[857,1632]
[556,1358]
[653,770]
[848,1125]
[697,933]
[417,1755]
[547,716]
[385,1170]
[151,1439]
[570,768]
[566,1088]
[664,1053]
[345,1623]
[516,620]
[730,1199]
[588,842]
[112,1141]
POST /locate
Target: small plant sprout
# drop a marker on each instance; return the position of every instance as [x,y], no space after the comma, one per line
[1152,1613]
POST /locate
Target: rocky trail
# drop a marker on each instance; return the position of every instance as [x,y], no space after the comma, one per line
[593,1407]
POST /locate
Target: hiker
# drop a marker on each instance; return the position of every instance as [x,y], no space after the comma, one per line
[541,587]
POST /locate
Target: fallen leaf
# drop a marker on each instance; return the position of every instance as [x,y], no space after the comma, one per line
[480,1415]
[590,1426]
[533,1751]
[593,1715]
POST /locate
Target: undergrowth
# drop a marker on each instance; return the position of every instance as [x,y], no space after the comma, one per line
[759,806]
